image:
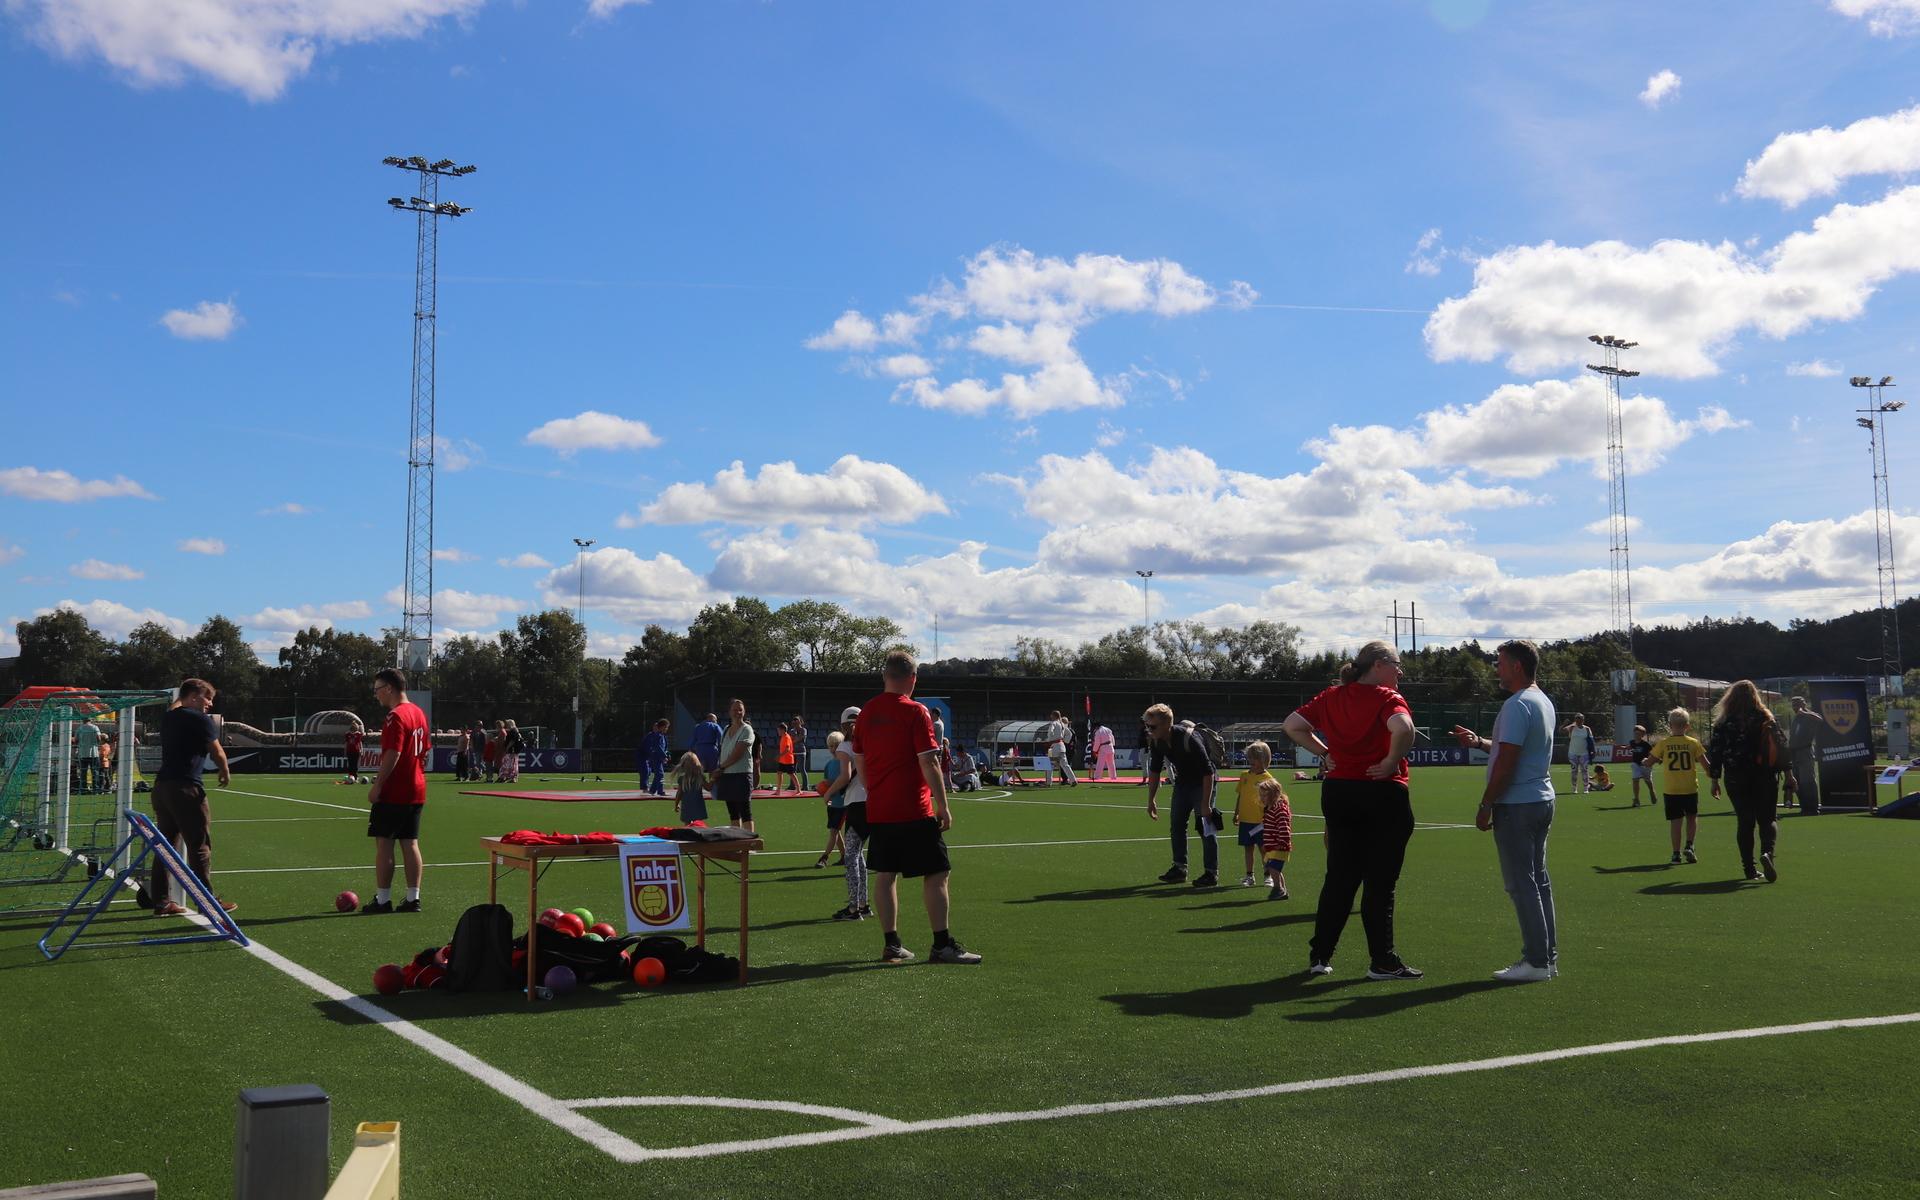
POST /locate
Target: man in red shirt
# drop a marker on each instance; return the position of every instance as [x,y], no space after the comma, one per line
[356,736]
[398,793]
[894,752]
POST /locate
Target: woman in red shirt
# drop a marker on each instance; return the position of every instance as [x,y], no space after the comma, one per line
[1367,730]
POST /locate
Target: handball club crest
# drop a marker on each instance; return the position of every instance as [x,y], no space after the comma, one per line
[655,890]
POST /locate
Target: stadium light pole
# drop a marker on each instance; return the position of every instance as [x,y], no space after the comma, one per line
[1873,421]
[416,633]
[1146,585]
[580,615]
[1621,604]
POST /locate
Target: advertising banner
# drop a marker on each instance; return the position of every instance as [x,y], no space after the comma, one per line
[563,758]
[1843,742]
[1437,756]
[653,881]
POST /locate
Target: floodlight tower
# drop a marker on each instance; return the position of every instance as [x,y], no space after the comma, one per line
[1146,584]
[1873,420]
[580,615]
[1621,611]
[416,626]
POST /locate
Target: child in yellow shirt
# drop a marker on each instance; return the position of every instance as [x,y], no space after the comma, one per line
[1249,810]
[1682,761]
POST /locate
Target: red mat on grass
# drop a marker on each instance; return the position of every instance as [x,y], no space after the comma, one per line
[604,797]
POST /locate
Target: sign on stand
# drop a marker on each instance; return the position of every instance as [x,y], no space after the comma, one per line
[653,880]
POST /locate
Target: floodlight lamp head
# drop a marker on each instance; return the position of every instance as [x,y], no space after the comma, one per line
[1857,380]
[1628,345]
[394,161]
[396,201]
[1863,422]
[1595,339]
[466,170]
[443,164]
[1893,406]
[1885,381]
[417,162]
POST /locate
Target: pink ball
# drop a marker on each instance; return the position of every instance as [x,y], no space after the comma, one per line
[346,902]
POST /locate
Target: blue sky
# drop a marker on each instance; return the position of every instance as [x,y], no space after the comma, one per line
[993,304]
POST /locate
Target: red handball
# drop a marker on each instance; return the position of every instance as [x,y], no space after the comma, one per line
[346,902]
[649,972]
[388,980]
[550,916]
[603,929]
[570,925]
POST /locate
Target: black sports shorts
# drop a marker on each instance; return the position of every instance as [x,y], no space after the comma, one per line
[907,848]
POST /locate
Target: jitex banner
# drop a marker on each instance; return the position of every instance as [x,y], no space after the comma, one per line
[655,886]
[1844,743]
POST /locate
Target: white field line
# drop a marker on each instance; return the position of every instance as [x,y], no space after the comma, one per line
[851,1115]
[535,1101]
[1395,1075]
[353,808]
[274,820]
[996,799]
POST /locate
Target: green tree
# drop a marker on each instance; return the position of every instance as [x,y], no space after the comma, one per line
[547,651]
[1042,656]
[151,657]
[1122,654]
[741,635]
[219,654]
[331,666]
[60,649]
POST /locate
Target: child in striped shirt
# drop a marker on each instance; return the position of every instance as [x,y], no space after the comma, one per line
[1276,835]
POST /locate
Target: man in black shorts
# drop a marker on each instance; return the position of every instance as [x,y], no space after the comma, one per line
[894,751]
[188,741]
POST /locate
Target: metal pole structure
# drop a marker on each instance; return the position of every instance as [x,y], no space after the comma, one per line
[580,615]
[1874,422]
[1146,577]
[416,633]
[1621,605]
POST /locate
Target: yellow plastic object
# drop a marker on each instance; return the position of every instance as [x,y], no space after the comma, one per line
[373,1169]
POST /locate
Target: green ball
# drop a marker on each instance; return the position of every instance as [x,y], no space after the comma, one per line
[593,937]
[585,915]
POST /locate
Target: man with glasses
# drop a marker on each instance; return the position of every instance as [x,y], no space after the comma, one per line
[398,793]
[1193,778]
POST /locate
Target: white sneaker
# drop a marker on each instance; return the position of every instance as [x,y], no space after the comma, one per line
[1246,881]
[1269,883]
[1523,972]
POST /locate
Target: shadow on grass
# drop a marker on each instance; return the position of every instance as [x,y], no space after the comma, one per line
[1706,887]
[1269,918]
[1641,869]
[1226,1001]
[1377,1004]
[1127,891]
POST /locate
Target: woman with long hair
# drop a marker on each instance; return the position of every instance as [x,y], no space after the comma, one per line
[1364,726]
[734,778]
[1748,749]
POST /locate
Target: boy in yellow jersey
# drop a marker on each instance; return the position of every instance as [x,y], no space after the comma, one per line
[1250,810]
[1682,761]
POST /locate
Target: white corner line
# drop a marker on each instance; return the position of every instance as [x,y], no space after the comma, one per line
[981,1120]
[852,1116]
[352,808]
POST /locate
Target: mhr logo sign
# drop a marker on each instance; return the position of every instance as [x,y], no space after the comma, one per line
[655,890]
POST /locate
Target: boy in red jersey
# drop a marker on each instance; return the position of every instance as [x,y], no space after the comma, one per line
[398,793]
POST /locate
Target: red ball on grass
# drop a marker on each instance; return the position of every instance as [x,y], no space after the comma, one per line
[388,979]
[570,925]
[346,902]
[551,915]
[649,972]
[603,929]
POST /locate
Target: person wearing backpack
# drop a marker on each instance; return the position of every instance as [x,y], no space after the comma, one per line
[1748,748]
[1193,782]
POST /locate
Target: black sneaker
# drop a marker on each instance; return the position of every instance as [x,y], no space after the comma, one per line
[377,906]
[1174,875]
[845,914]
[407,906]
[1206,879]
[1395,971]
[952,952]
[1675,860]
[1766,867]
[1319,966]
[1689,855]
[896,954]
[866,911]
[1753,876]
[143,899]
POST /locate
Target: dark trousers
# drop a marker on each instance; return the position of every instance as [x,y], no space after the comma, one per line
[1754,798]
[1368,825]
[653,775]
[180,813]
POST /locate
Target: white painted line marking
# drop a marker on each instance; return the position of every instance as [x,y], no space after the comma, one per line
[981,1120]
[526,1095]
[851,1115]
[353,808]
[274,820]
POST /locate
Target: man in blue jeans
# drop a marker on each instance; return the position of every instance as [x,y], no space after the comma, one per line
[1518,806]
[1193,775]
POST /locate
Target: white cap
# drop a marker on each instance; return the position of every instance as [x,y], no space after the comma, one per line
[849,714]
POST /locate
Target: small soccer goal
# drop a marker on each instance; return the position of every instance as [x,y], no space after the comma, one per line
[67,769]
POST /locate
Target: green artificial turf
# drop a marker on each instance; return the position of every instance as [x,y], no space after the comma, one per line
[1099,985]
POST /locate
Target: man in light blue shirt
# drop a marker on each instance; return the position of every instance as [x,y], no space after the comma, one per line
[1518,806]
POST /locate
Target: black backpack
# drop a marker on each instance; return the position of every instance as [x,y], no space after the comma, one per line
[684,963]
[591,961]
[482,955]
[1212,743]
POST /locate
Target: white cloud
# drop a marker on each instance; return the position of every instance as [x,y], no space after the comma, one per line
[593,430]
[1604,526]
[451,455]
[526,559]
[1025,311]
[9,552]
[207,321]
[1109,434]
[9,643]
[1885,18]
[31,483]
[606,8]
[211,546]
[116,620]
[255,47]
[1819,368]
[1427,254]
[289,509]
[1536,305]
[1660,86]
[95,569]
[1798,166]
[853,491]
[458,608]
[302,616]
[631,589]
[454,554]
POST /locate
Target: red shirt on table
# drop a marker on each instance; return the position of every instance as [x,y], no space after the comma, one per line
[405,732]
[892,733]
[1352,720]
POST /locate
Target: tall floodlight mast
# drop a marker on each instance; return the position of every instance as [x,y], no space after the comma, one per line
[1621,610]
[416,626]
[1873,419]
